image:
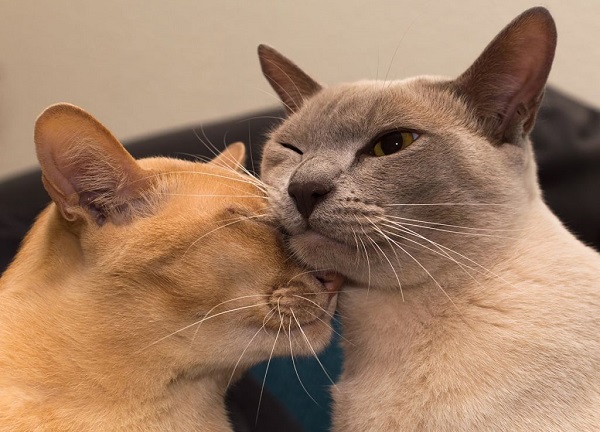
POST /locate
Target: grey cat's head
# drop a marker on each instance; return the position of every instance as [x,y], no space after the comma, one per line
[387,182]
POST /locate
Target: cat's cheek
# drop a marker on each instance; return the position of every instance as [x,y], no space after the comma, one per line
[285,212]
[276,169]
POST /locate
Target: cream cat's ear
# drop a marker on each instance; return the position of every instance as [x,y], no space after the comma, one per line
[289,81]
[233,157]
[506,83]
[85,169]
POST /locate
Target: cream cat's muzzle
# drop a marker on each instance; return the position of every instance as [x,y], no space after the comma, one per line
[309,297]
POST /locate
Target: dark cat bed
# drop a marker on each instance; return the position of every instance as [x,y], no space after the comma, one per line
[567,142]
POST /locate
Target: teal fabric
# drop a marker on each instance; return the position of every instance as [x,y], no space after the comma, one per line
[282,382]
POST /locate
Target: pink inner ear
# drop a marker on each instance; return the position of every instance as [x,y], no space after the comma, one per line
[290,82]
[506,82]
[82,161]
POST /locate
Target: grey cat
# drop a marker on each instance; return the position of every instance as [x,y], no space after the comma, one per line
[469,307]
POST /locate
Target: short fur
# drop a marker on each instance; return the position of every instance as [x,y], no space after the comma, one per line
[145,289]
[471,307]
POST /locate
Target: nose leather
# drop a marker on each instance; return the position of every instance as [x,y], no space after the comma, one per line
[307,194]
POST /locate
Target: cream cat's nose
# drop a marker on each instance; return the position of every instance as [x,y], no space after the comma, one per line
[307,194]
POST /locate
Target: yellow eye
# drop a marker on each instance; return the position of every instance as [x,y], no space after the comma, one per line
[393,142]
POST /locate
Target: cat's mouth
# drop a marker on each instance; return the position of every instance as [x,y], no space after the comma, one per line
[332,281]
[310,302]
[320,250]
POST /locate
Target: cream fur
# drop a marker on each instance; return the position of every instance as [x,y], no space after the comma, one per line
[97,309]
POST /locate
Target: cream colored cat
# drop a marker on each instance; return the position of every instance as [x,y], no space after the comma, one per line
[144,289]
[471,307]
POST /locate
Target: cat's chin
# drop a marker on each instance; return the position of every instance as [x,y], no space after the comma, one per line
[318,250]
[316,239]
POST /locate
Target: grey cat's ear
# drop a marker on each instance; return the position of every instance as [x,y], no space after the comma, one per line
[233,157]
[289,81]
[506,83]
[85,169]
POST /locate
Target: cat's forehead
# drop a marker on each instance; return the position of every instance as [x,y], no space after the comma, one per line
[199,177]
[364,109]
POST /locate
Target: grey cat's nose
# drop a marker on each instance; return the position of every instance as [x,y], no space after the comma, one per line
[307,194]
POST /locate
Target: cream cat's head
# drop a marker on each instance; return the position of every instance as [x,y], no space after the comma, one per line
[173,264]
[390,182]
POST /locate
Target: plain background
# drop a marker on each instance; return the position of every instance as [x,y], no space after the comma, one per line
[143,66]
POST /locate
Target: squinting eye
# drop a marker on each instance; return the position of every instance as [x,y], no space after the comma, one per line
[292,148]
[393,142]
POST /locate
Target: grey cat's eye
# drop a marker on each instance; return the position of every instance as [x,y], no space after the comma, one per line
[393,142]
[292,148]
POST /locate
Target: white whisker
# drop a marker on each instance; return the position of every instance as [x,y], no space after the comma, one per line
[315,304]
[357,255]
[263,116]
[206,318]
[368,265]
[265,321]
[272,96]
[210,146]
[262,389]
[484,269]
[284,90]
[453,226]
[466,233]
[294,364]
[217,196]
[440,252]
[235,221]
[235,176]
[422,267]
[307,272]
[387,259]
[331,327]
[312,349]
[446,204]
[208,143]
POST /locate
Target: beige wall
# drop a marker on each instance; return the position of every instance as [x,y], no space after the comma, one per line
[143,66]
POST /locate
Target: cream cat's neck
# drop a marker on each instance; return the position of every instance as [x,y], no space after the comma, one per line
[40,249]
[184,407]
[129,387]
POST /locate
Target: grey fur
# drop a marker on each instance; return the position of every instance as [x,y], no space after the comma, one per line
[469,306]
